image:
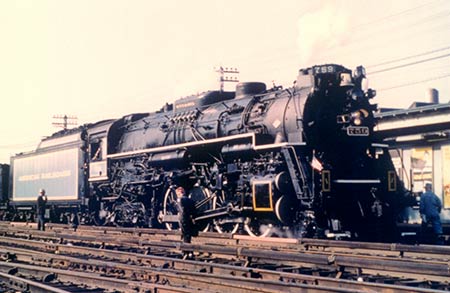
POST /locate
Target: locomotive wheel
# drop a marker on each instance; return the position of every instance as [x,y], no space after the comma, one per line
[170,208]
[219,201]
[254,228]
[170,205]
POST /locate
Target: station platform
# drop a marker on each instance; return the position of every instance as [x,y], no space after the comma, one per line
[411,234]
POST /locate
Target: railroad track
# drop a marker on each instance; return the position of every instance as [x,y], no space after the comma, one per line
[236,262]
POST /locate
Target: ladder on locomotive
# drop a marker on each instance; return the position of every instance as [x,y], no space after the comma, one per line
[298,175]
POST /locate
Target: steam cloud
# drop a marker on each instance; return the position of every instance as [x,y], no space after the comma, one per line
[322,30]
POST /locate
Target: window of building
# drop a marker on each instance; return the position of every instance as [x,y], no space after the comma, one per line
[421,167]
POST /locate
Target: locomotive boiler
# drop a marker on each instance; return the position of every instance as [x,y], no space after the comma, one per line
[300,159]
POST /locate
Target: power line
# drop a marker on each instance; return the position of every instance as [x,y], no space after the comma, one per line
[394,15]
[394,26]
[413,83]
[369,42]
[402,24]
[366,39]
[391,39]
[408,64]
[409,57]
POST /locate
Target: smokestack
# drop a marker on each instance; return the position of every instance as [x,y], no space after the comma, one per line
[433,96]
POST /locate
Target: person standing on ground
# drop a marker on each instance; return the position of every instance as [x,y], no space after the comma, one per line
[430,208]
[40,209]
[74,220]
[186,212]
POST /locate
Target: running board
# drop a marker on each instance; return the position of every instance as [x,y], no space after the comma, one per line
[357,181]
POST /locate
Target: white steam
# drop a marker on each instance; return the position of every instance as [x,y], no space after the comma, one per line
[322,31]
[284,232]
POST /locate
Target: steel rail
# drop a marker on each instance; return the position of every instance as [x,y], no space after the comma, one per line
[176,277]
[25,285]
[138,240]
[322,253]
[302,244]
[90,279]
[437,269]
[217,269]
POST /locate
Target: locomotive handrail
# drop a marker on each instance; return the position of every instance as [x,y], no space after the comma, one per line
[278,145]
[251,136]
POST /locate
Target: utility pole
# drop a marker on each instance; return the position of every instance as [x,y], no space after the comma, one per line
[66,121]
[223,78]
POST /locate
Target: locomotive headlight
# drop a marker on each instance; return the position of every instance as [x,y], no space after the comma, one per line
[346,79]
[356,117]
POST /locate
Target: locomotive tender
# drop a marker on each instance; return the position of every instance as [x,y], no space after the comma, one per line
[302,158]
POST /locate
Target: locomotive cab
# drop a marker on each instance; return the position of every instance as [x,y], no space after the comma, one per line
[97,158]
[97,149]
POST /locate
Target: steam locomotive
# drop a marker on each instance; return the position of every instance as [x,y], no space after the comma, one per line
[301,160]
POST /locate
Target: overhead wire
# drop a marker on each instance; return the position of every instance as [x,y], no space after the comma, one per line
[414,15]
[428,25]
[287,52]
[406,11]
[428,33]
[370,44]
[414,82]
[409,64]
[408,57]
[397,28]
[393,26]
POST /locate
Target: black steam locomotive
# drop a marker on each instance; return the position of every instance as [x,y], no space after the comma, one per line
[301,159]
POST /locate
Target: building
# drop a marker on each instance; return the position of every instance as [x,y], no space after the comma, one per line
[419,140]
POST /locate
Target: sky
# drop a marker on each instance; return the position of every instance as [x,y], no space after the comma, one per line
[102,59]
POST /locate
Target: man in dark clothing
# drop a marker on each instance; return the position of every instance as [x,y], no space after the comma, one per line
[74,220]
[40,209]
[430,208]
[186,213]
